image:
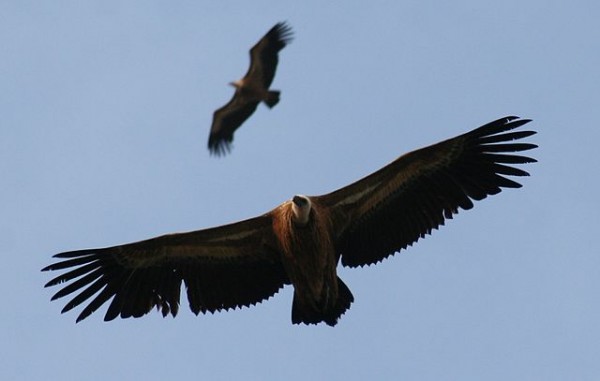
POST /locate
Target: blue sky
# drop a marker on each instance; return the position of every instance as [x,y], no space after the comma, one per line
[105,108]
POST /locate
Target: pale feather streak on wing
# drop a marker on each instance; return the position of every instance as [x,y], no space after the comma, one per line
[225,267]
[417,192]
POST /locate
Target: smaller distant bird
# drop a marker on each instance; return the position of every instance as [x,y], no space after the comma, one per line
[250,90]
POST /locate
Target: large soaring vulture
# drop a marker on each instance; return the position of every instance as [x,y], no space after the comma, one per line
[250,90]
[300,241]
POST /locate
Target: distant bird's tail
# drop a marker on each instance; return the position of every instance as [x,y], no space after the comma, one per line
[272,98]
[329,313]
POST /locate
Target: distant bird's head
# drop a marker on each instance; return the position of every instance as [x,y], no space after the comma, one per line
[301,206]
[237,84]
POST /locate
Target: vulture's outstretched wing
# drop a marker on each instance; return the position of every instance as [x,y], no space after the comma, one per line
[395,206]
[264,55]
[226,120]
[224,267]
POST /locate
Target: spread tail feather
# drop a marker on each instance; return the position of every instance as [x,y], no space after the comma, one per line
[330,315]
[272,98]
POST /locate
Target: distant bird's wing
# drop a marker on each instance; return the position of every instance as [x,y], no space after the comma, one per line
[224,267]
[226,120]
[264,55]
[402,202]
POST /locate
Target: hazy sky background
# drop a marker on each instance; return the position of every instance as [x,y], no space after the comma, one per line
[105,108]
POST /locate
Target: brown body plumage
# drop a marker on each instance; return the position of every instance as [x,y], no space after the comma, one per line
[310,260]
[301,241]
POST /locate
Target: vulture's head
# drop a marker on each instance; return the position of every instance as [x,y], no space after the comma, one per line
[301,206]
